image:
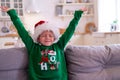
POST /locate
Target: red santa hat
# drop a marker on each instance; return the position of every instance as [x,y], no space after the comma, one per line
[42,26]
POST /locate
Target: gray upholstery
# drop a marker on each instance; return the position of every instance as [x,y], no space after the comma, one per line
[13,64]
[93,62]
[83,63]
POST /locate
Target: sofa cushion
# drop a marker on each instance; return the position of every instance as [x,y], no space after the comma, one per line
[93,62]
[13,64]
[13,58]
[14,75]
[115,55]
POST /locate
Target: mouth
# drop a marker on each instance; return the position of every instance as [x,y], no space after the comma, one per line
[47,41]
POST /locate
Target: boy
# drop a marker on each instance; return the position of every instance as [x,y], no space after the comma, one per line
[45,50]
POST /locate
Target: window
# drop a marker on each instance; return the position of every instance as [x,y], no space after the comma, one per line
[108,12]
[16,4]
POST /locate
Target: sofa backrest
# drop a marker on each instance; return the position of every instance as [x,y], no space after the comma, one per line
[13,64]
[93,62]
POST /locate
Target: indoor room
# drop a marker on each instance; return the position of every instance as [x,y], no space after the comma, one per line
[91,44]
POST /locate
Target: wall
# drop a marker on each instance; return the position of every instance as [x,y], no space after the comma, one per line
[46,10]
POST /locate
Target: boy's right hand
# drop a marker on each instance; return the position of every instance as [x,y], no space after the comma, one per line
[4,8]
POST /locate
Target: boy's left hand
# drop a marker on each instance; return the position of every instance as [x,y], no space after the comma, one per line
[83,9]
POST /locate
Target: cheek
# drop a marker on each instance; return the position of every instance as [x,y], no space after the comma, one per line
[53,39]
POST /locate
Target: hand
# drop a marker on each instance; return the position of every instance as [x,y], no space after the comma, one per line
[83,9]
[4,8]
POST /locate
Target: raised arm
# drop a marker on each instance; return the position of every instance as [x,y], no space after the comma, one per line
[71,28]
[26,38]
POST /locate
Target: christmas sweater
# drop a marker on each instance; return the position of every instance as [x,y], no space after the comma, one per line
[46,62]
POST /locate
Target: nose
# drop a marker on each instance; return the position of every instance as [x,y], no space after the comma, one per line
[47,36]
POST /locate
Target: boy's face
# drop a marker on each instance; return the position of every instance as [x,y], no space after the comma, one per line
[46,38]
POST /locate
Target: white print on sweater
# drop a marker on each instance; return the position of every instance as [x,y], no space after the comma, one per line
[48,60]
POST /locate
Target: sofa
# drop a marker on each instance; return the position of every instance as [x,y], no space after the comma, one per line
[83,62]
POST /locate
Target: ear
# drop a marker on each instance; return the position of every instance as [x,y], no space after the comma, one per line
[38,39]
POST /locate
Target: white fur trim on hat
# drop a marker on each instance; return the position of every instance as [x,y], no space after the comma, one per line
[43,27]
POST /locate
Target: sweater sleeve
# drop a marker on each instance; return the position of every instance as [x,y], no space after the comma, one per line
[26,38]
[70,30]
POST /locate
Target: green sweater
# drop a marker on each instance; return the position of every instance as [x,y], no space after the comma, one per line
[46,62]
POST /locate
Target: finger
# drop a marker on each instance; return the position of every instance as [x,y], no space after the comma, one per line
[4,7]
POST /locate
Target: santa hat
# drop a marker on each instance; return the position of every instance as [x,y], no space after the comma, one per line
[42,26]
